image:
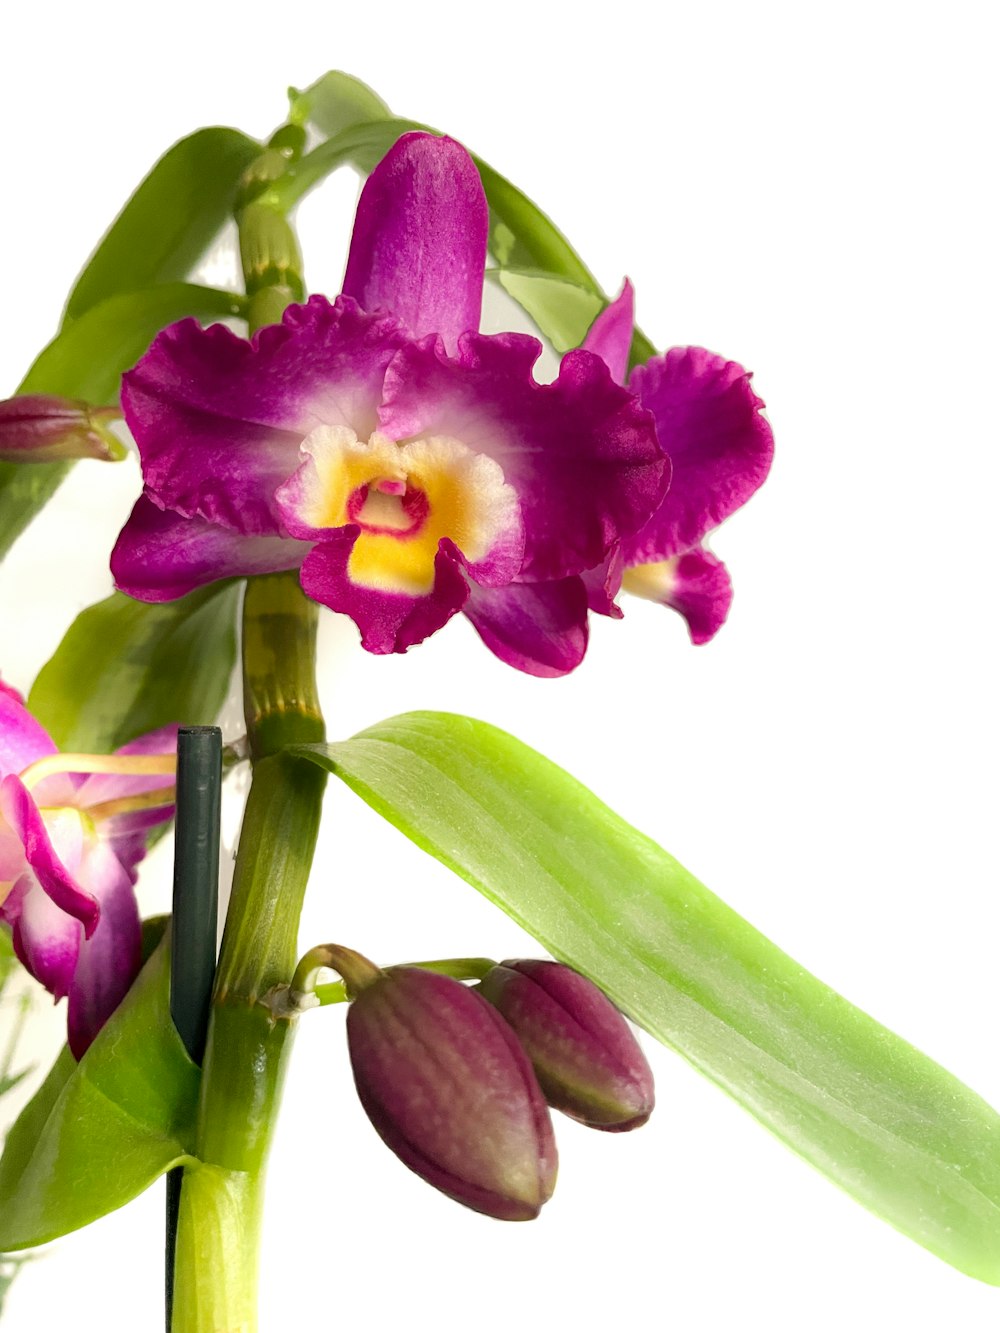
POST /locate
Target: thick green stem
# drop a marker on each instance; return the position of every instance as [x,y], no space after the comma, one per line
[215,1289]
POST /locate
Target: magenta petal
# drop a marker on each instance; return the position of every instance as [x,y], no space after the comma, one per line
[540,628]
[100,787]
[610,335]
[218,420]
[708,420]
[603,585]
[390,622]
[696,584]
[46,940]
[22,739]
[581,453]
[419,243]
[109,961]
[161,556]
[18,808]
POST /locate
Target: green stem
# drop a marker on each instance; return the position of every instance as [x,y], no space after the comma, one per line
[215,1289]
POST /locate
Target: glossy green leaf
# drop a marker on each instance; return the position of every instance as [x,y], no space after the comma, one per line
[127,667]
[170,220]
[885,1122]
[99,1132]
[86,360]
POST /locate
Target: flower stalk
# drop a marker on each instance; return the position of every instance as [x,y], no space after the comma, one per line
[247,1050]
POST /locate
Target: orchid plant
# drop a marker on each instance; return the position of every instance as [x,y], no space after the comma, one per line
[376,456]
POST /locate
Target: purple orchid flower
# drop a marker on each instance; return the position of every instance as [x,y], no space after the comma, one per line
[72,831]
[708,420]
[408,465]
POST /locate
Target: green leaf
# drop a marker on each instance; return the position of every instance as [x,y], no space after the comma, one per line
[170,220]
[335,103]
[886,1123]
[87,360]
[126,667]
[97,1133]
[562,310]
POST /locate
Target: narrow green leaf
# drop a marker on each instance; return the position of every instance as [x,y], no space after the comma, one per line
[99,1132]
[86,360]
[170,220]
[126,667]
[881,1119]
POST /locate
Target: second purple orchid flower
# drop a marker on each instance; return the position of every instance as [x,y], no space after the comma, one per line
[412,468]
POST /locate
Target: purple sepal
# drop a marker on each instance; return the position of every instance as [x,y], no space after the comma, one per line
[109,961]
[160,555]
[419,245]
[696,584]
[588,1062]
[540,628]
[708,420]
[610,335]
[449,1089]
[46,940]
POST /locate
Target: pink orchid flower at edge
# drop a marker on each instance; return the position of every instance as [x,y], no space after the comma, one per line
[72,832]
[709,422]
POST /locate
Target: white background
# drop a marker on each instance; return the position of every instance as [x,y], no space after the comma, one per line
[804,189]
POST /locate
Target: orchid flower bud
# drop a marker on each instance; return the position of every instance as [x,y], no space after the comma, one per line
[588,1062]
[450,1091]
[42,428]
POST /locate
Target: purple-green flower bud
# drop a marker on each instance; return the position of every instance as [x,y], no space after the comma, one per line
[42,428]
[449,1089]
[587,1060]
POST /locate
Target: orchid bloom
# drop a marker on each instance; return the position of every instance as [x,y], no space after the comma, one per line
[72,831]
[410,466]
[720,447]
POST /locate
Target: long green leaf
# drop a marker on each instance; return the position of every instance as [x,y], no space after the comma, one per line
[170,220]
[885,1122]
[99,1132]
[126,667]
[86,360]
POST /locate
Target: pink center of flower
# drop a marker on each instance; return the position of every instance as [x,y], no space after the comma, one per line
[389,507]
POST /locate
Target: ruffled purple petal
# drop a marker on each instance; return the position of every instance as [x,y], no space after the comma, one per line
[52,848]
[160,556]
[22,739]
[610,335]
[603,585]
[581,453]
[46,939]
[218,420]
[109,961]
[708,420]
[390,622]
[696,584]
[419,243]
[540,628]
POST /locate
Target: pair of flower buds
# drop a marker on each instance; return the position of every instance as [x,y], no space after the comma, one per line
[456,1079]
